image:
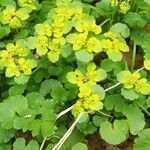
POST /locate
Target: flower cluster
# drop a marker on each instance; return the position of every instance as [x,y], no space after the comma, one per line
[51,37]
[89,98]
[124,7]
[114,46]
[28,4]
[134,80]
[13,17]
[14,58]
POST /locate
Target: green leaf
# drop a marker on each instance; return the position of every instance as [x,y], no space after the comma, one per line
[4,31]
[142,142]
[147,1]
[98,120]
[148,102]
[106,64]
[48,85]
[17,89]
[31,42]
[59,94]
[66,50]
[115,101]
[135,118]
[19,144]
[129,94]
[83,56]
[134,20]
[5,147]
[6,135]
[116,133]
[80,146]
[8,2]
[122,75]
[87,127]
[104,8]
[10,108]
[22,79]
[121,29]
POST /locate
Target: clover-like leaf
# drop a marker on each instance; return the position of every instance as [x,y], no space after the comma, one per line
[129,94]
[80,146]
[83,56]
[116,133]
[115,101]
[121,29]
[10,108]
[134,20]
[142,142]
[20,144]
[135,118]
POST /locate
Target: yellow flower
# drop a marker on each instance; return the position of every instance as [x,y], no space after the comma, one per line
[6,58]
[43,29]
[114,2]
[12,70]
[94,75]
[85,91]
[13,17]
[26,65]
[94,45]
[75,77]
[131,80]
[78,40]
[107,44]
[124,7]
[77,109]
[113,46]
[29,4]
[42,44]
[93,103]
[55,49]
[142,86]
[110,34]
[147,64]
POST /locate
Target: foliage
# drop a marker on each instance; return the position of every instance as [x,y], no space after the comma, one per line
[89,57]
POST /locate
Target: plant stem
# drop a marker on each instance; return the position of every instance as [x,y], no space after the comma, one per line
[43,142]
[105,21]
[64,112]
[104,114]
[92,7]
[112,87]
[133,57]
[143,108]
[69,131]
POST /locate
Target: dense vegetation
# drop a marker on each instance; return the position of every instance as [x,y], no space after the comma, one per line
[72,68]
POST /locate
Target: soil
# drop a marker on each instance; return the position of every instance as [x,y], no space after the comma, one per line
[96,143]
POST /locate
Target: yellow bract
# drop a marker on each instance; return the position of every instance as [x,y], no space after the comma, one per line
[13,58]
[114,2]
[142,86]
[134,81]
[113,46]
[131,80]
[29,4]
[124,7]
[88,100]
[14,17]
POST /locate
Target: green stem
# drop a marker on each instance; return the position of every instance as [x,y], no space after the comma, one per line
[133,57]
[104,114]
[92,7]
[104,22]
[143,109]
